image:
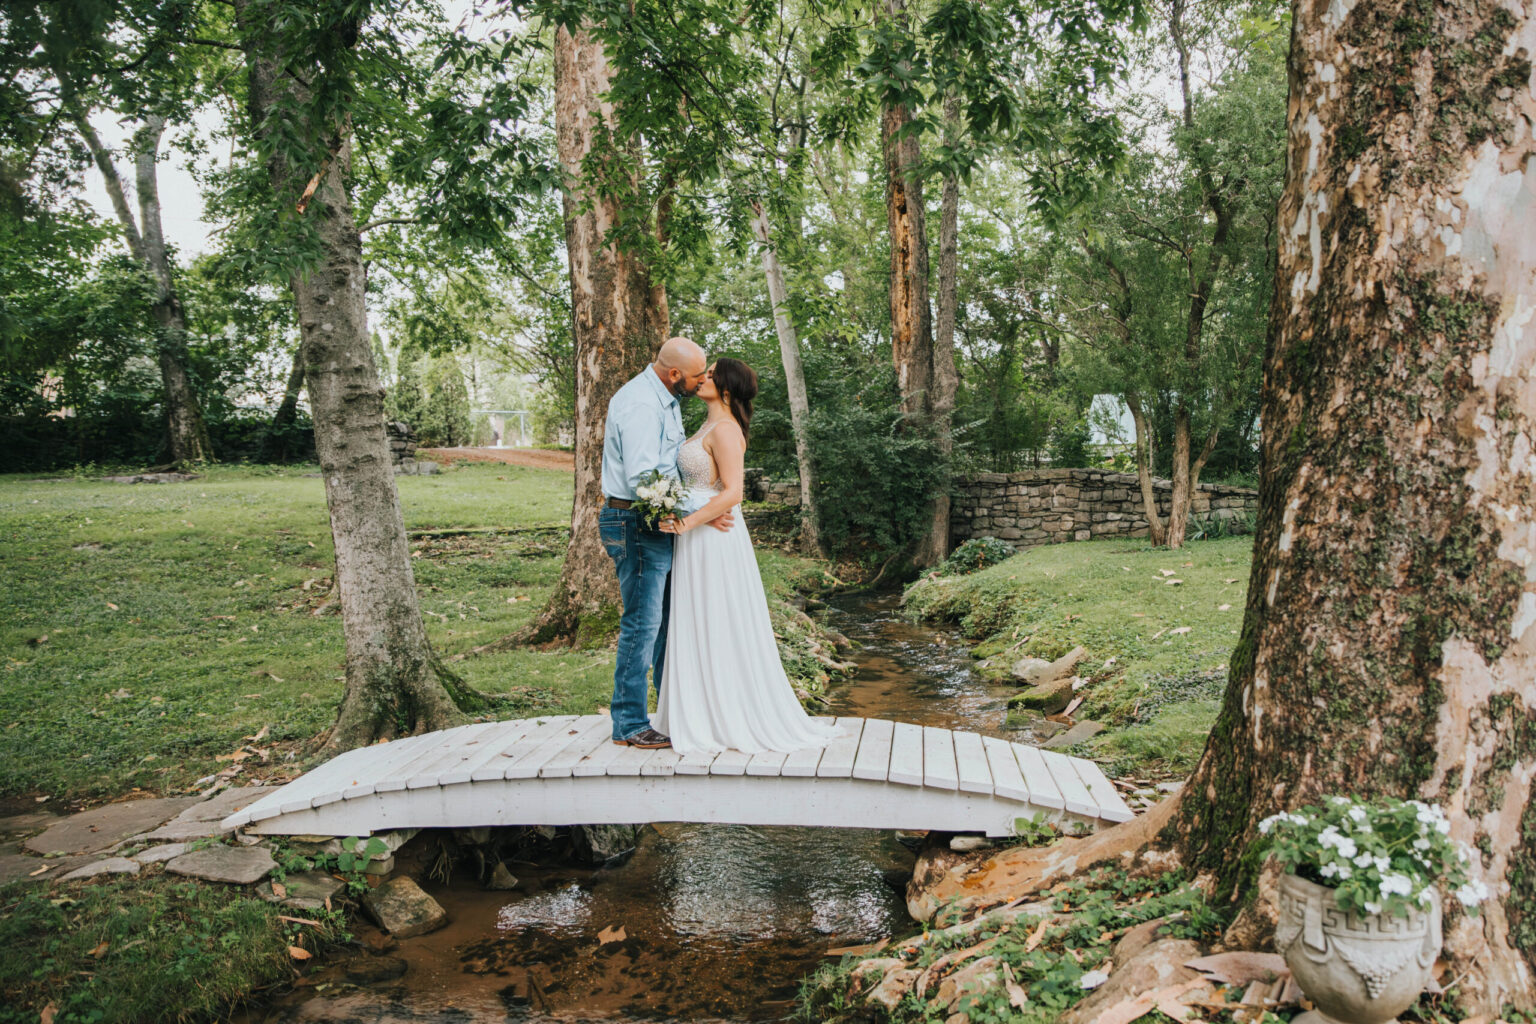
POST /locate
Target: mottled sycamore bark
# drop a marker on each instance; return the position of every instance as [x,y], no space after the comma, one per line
[618,322]
[794,379]
[394,683]
[924,373]
[1389,641]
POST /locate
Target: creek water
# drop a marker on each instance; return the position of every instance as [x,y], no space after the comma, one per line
[719,922]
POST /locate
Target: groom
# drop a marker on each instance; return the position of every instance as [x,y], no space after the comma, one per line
[644,433]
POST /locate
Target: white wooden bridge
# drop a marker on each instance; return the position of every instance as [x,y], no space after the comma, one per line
[566,770]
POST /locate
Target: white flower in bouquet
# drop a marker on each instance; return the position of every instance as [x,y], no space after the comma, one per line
[657,497]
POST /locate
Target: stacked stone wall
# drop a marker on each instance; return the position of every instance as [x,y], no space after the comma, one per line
[1051,506]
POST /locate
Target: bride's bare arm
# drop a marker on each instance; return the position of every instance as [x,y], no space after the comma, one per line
[729,449]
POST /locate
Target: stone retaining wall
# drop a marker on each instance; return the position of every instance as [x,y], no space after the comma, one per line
[1049,506]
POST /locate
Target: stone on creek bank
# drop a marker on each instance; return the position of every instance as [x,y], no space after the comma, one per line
[202,820]
[237,865]
[309,890]
[501,879]
[943,877]
[1077,734]
[1155,975]
[1047,698]
[104,827]
[25,824]
[603,844]
[161,854]
[110,866]
[1038,671]
[403,910]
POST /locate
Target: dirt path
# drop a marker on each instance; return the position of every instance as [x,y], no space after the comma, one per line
[533,458]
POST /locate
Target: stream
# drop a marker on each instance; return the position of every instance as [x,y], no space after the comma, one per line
[719,922]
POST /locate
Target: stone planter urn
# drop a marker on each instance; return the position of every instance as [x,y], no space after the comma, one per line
[1356,968]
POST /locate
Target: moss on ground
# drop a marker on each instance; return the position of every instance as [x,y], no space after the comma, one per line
[1157,651]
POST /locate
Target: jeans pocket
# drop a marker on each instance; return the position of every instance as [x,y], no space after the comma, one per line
[614,537]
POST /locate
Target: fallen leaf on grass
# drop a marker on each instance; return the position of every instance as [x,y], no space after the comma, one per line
[260,735]
[47,1015]
[39,639]
[296,920]
[608,935]
[1223,607]
[299,953]
[279,890]
[1077,702]
[1234,580]
[1173,583]
[239,755]
[1180,630]
[34,874]
[112,606]
[100,951]
[1166,572]
[1017,997]
[1035,937]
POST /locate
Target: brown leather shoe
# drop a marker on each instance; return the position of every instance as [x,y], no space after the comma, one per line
[646,739]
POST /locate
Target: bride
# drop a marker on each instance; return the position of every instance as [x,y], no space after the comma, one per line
[723,687]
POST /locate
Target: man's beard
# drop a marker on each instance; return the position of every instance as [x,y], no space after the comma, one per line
[680,389]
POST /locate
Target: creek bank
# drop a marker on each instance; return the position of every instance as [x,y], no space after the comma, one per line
[1133,638]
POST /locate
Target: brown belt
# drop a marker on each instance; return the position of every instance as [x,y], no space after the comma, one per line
[619,503]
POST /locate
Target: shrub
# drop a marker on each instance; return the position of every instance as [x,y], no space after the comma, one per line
[976,553]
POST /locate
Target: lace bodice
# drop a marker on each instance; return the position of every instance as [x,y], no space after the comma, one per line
[696,464]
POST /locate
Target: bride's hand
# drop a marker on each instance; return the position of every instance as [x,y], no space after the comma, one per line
[672,524]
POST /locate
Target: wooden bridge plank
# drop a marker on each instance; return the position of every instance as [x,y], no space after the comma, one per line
[324,785]
[441,743]
[1111,806]
[661,763]
[837,760]
[598,759]
[939,770]
[630,760]
[802,763]
[1037,777]
[873,761]
[453,751]
[1076,795]
[769,763]
[590,731]
[380,765]
[730,762]
[1007,781]
[696,764]
[525,745]
[971,759]
[486,751]
[907,754]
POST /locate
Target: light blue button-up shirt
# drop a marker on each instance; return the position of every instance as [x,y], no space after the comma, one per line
[644,433]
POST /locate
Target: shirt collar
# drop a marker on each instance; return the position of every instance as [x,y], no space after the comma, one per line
[666,397]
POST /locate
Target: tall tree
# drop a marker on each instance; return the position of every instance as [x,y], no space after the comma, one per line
[395,684]
[617,322]
[1389,641]
[186,433]
[925,374]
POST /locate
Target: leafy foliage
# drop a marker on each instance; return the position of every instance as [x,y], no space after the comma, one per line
[976,553]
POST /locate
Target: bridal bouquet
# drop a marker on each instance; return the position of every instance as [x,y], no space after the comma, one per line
[657,497]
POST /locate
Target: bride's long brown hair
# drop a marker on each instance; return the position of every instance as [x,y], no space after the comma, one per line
[737,384]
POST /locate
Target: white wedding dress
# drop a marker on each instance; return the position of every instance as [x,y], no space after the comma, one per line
[723,686]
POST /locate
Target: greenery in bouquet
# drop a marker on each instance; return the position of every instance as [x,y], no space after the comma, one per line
[657,497]
[1386,856]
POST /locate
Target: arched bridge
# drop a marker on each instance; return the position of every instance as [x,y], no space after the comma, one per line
[565,770]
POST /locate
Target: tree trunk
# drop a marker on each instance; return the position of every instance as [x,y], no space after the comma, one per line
[912,347]
[1389,643]
[617,324]
[794,380]
[186,433]
[945,380]
[394,683]
[274,447]
[183,417]
[1157,532]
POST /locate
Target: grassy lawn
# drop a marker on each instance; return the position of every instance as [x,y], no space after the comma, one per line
[1157,650]
[149,628]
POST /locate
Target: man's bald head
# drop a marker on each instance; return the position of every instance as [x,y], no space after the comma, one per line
[680,364]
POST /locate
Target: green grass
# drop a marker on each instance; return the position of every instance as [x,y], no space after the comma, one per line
[213,635]
[135,951]
[1170,643]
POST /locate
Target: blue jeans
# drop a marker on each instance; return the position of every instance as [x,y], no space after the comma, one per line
[643,559]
